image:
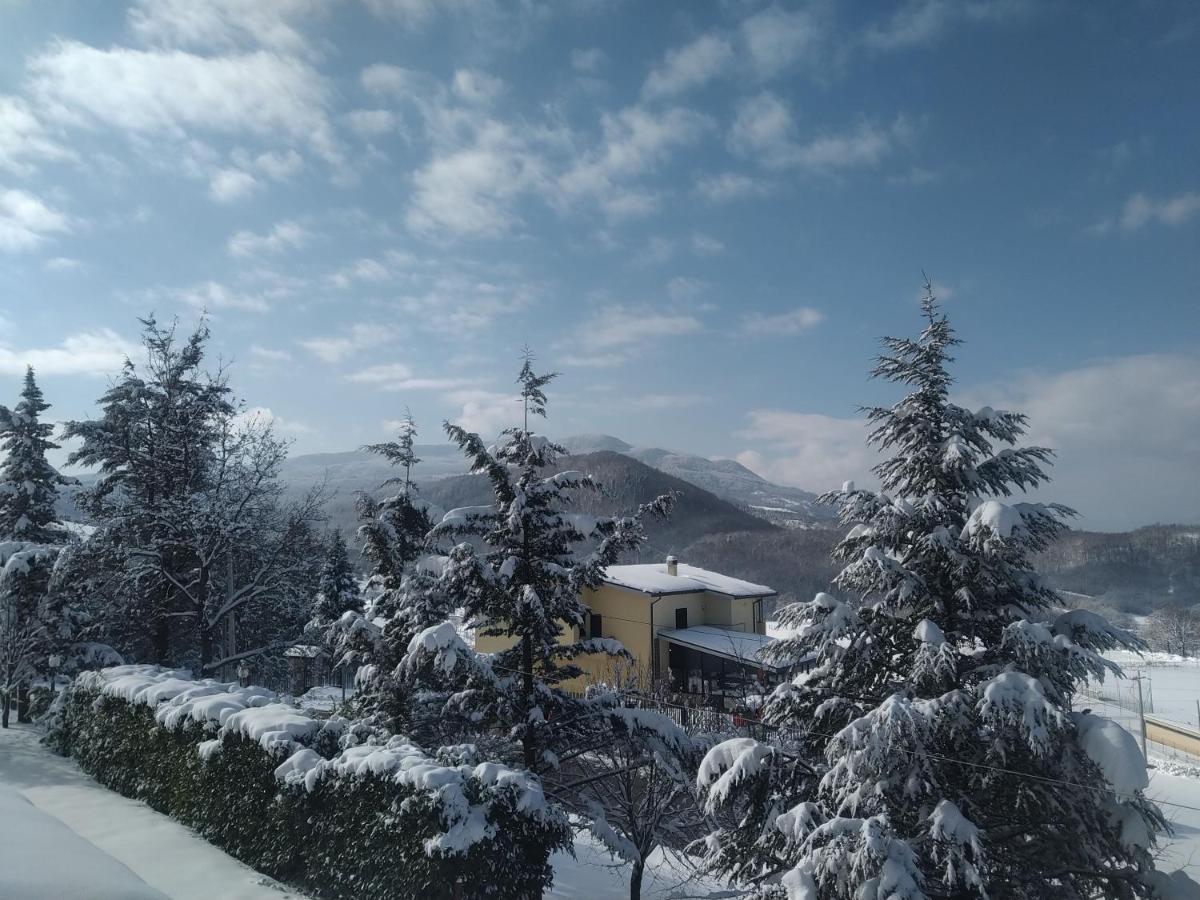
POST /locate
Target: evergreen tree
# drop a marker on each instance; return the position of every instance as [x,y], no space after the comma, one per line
[190,502]
[152,447]
[28,483]
[521,573]
[393,529]
[337,590]
[941,754]
[25,625]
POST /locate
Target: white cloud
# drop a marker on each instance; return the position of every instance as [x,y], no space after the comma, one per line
[763,128]
[224,24]
[278,166]
[681,288]
[469,190]
[98,352]
[263,416]
[365,269]
[386,80]
[23,139]
[1141,210]
[362,336]
[923,22]
[616,332]
[486,413]
[728,186]
[268,355]
[212,295]
[285,235]
[229,185]
[706,245]
[765,131]
[588,60]
[371,122]
[776,38]
[26,221]
[687,67]
[399,377]
[635,141]
[792,322]
[62,264]
[457,302]
[808,450]
[168,92]
[474,86]
[1125,431]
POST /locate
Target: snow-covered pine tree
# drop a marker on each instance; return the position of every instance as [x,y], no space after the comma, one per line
[151,447]
[393,529]
[25,629]
[942,754]
[521,574]
[337,589]
[399,592]
[28,483]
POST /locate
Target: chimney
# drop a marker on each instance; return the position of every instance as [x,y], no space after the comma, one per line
[672,565]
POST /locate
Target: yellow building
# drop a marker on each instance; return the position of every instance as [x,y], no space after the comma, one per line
[689,630]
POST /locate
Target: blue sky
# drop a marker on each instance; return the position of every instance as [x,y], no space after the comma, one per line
[703,215]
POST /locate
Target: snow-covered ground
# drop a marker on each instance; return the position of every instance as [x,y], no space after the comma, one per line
[1170,684]
[594,874]
[117,847]
[87,841]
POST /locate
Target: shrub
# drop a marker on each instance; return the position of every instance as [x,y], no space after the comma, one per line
[276,789]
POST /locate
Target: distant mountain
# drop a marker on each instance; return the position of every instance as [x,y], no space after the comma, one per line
[625,483]
[727,478]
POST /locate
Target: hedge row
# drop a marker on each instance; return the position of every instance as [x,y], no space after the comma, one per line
[292,797]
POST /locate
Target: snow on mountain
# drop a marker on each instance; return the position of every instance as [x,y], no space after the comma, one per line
[727,478]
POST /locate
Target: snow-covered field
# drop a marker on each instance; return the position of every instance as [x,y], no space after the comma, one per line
[1170,684]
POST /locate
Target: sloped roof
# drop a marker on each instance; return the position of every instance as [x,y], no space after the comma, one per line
[653,578]
[738,646]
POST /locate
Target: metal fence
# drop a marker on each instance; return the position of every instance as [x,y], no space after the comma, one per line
[1118,699]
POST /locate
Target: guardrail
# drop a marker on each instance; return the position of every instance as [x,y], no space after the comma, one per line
[1172,734]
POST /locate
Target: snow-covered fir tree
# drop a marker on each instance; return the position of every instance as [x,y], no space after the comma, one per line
[520,574]
[28,483]
[393,529]
[337,591]
[25,623]
[398,593]
[942,756]
[217,566]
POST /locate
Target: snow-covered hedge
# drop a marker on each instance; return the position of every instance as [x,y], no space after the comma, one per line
[295,797]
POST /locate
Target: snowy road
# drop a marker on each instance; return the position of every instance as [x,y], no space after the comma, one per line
[140,852]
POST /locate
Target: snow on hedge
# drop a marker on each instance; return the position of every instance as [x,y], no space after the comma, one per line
[252,712]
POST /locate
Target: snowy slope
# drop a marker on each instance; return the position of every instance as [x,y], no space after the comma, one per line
[727,478]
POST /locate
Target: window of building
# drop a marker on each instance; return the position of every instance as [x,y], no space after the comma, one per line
[597,626]
[681,618]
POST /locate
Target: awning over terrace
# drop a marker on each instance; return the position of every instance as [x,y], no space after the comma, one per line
[735,646]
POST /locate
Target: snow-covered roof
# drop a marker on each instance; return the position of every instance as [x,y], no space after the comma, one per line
[653,578]
[738,646]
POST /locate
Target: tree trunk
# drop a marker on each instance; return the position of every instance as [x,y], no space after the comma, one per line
[23,702]
[206,631]
[635,879]
[528,741]
[162,635]
[4,715]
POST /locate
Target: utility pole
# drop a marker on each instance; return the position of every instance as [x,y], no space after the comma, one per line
[1142,716]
